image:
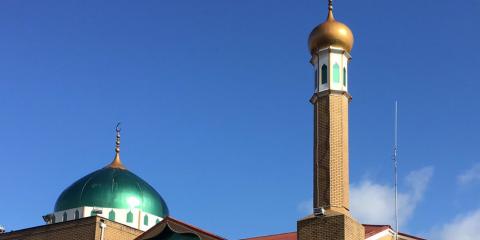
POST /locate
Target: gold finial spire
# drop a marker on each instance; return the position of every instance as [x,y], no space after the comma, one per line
[330,11]
[116,163]
[117,143]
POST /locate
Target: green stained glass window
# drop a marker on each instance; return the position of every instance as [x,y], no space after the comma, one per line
[324,74]
[336,73]
[64,216]
[111,215]
[77,214]
[316,78]
[344,77]
[129,217]
[145,220]
[158,220]
[93,212]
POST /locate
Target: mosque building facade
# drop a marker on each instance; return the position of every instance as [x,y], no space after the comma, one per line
[113,203]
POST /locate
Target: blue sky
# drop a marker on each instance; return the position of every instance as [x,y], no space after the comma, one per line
[213,97]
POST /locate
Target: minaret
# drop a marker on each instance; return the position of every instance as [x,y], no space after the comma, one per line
[330,44]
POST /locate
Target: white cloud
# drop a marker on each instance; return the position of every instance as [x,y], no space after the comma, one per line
[463,227]
[373,203]
[471,175]
[305,207]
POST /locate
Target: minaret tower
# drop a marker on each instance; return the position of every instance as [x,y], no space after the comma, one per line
[330,44]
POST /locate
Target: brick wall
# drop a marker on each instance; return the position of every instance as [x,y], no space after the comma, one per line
[81,229]
[333,227]
[117,231]
[331,181]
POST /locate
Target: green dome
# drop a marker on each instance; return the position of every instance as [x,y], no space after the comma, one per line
[112,187]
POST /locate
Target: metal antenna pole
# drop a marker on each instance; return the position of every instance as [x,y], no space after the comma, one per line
[395,164]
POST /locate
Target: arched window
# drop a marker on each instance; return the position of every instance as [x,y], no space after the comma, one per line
[324,74]
[344,77]
[158,220]
[145,220]
[93,212]
[54,220]
[77,214]
[336,73]
[111,215]
[316,78]
[64,216]
[129,217]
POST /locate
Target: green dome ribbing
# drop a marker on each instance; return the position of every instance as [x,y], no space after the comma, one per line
[112,188]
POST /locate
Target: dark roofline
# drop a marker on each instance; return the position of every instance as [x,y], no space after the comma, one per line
[270,235]
[390,227]
[80,221]
[86,219]
[410,236]
[193,227]
[173,223]
[383,227]
[376,225]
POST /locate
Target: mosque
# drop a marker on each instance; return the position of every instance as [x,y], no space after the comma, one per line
[113,203]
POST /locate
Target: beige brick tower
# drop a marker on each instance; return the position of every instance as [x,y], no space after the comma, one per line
[330,45]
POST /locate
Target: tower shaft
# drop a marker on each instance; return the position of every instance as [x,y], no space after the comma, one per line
[331,219]
[331,180]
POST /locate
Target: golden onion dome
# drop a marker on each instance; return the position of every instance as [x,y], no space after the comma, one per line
[331,33]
